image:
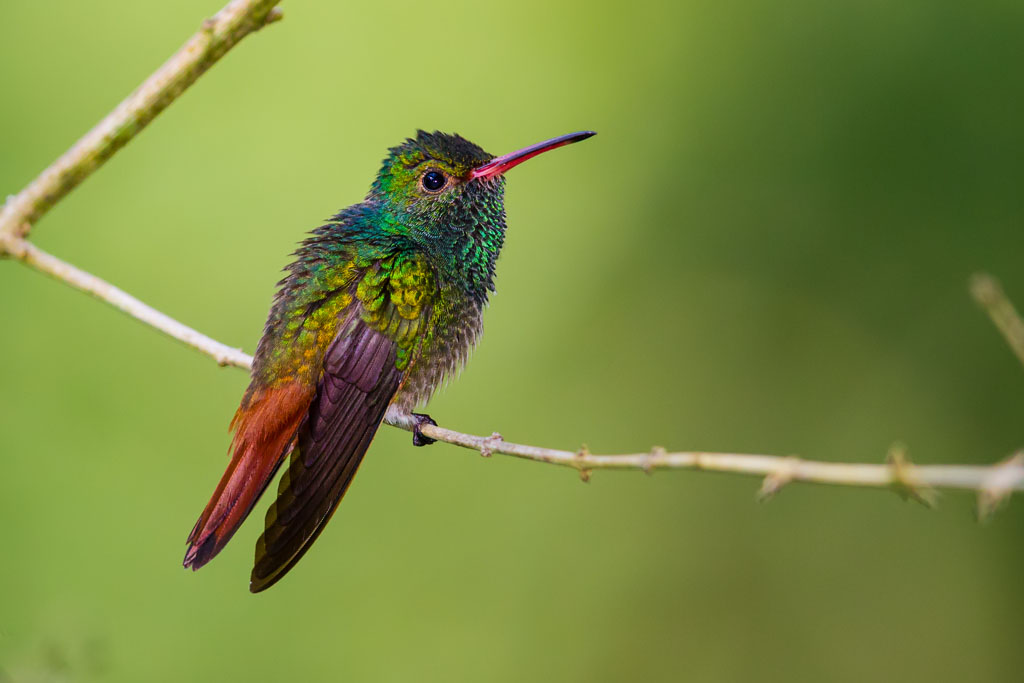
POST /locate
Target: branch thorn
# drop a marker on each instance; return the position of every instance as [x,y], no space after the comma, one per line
[275,14]
[1005,476]
[581,456]
[490,444]
[903,481]
[774,482]
[657,453]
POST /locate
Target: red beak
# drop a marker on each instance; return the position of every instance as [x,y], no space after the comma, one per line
[504,163]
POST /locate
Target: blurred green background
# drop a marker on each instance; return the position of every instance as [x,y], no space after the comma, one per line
[765,249]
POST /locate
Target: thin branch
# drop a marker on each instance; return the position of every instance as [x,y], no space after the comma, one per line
[994,483]
[915,481]
[33,256]
[988,293]
[218,35]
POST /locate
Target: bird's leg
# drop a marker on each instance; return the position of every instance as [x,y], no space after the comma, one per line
[418,438]
[402,417]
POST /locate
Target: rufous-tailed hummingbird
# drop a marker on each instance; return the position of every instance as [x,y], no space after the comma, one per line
[378,307]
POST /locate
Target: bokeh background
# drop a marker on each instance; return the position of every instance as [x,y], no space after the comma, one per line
[765,249]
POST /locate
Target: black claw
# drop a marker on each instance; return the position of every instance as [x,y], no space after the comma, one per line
[418,438]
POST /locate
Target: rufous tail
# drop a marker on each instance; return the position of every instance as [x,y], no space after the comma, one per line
[264,432]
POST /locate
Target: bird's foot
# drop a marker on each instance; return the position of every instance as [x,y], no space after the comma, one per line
[418,438]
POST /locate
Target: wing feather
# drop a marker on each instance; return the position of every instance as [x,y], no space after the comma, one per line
[358,381]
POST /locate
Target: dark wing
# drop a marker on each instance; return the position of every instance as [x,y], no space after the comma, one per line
[359,379]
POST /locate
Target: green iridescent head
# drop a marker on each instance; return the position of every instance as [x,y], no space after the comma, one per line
[437,169]
[446,195]
[432,167]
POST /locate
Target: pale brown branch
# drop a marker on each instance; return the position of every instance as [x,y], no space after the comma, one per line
[994,483]
[217,35]
[33,256]
[898,474]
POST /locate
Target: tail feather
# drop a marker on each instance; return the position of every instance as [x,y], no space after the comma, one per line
[265,428]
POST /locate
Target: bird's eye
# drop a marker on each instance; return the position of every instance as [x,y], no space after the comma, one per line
[433,181]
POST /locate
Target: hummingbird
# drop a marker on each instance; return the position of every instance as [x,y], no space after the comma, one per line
[380,305]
